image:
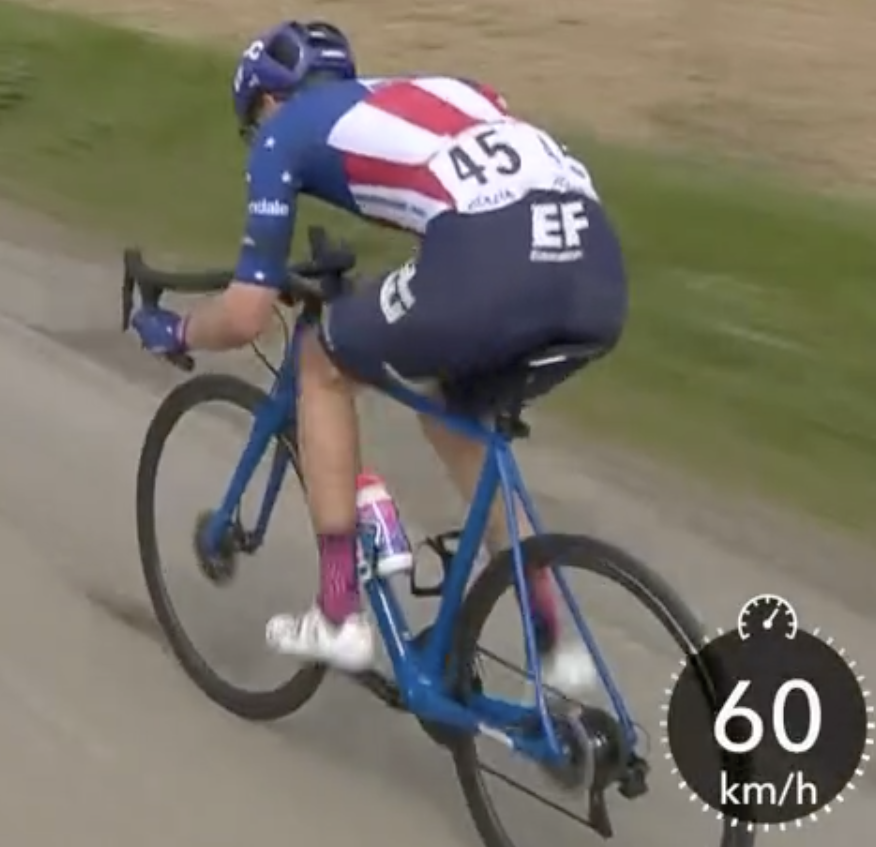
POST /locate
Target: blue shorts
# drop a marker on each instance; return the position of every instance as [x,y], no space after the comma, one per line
[485,291]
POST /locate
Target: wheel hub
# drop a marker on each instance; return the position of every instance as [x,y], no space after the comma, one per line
[219,563]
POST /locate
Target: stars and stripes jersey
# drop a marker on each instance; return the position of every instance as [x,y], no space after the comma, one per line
[398,151]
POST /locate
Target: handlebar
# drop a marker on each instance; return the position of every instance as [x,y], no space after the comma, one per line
[314,281]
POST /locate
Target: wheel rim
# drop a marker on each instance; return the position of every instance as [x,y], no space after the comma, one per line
[705,826]
[236,624]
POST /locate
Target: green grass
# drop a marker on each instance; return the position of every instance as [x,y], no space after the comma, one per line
[749,354]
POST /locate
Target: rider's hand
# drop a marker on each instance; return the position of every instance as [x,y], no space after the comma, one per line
[160,330]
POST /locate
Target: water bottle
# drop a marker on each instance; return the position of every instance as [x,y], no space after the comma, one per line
[375,507]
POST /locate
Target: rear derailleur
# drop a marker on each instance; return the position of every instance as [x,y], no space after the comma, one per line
[598,758]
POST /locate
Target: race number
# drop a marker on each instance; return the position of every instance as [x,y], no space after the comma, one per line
[476,157]
[561,155]
[487,167]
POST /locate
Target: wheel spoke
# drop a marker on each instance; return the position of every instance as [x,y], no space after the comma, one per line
[223,392]
[600,725]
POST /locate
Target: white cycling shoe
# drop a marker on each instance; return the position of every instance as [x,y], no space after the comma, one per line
[311,637]
[569,669]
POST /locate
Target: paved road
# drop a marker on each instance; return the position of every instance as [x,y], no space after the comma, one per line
[103,741]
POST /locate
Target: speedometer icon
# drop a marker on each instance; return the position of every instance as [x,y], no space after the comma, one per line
[767,616]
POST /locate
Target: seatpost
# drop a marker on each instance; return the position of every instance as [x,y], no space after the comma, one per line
[510,423]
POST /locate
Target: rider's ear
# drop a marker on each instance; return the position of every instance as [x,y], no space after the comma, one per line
[267,105]
[262,107]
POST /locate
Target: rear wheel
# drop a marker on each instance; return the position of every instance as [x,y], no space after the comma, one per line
[264,705]
[576,553]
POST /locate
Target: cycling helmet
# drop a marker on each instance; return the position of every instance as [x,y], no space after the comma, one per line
[279,60]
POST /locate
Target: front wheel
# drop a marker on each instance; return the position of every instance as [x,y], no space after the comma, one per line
[266,705]
[581,554]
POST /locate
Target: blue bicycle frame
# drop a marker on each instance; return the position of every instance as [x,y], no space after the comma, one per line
[420,666]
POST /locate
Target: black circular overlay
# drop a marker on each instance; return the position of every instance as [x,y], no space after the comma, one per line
[768,784]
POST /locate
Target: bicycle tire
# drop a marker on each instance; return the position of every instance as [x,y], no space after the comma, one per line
[584,553]
[259,706]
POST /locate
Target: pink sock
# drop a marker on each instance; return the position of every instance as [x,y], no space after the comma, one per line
[338,587]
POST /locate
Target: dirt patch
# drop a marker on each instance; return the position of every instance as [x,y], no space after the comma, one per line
[791,81]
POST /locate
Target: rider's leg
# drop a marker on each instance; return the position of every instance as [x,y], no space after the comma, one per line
[359,332]
[566,665]
[328,441]
[464,458]
[332,631]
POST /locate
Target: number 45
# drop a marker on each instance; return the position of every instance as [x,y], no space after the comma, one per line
[474,157]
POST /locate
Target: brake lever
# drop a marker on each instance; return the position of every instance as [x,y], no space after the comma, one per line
[332,257]
[128,284]
[150,295]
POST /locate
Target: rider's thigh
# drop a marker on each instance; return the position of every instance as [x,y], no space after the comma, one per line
[423,321]
[375,333]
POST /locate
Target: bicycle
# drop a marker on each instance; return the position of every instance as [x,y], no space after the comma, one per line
[434,672]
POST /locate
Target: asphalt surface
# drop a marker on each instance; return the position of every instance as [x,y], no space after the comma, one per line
[102,738]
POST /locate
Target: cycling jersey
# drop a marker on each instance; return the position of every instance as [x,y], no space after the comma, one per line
[399,151]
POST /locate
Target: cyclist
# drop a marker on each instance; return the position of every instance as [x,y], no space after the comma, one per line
[515,253]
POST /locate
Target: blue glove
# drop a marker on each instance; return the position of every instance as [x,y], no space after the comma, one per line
[160,330]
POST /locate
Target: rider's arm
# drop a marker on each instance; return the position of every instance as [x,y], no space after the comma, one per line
[243,311]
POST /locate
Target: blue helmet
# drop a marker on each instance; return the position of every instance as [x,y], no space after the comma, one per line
[279,60]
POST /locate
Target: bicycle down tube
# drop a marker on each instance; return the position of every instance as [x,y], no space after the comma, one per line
[272,418]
